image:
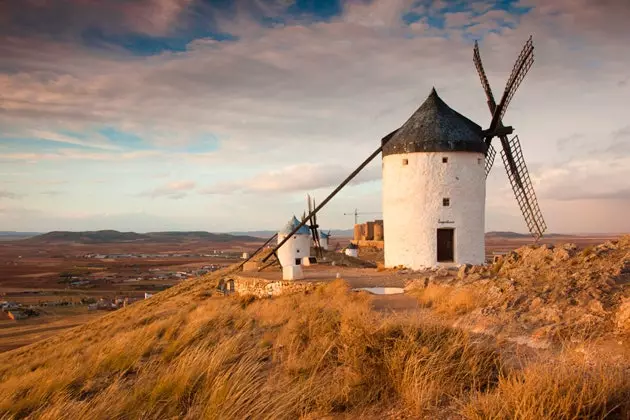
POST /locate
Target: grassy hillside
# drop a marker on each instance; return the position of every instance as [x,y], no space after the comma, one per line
[190,353]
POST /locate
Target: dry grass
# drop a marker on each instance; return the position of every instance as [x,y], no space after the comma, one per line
[183,354]
[570,390]
[449,300]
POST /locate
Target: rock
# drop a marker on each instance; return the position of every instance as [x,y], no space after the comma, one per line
[472,278]
[494,292]
[442,272]
[463,270]
[417,284]
[571,247]
[560,254]
[622,319]
[596,307]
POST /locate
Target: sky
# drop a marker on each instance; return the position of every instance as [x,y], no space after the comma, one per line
[150,115]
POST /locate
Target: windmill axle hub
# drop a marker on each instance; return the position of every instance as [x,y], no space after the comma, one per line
[498,132]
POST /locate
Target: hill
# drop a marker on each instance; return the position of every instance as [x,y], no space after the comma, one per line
[192,352]
[340,233]
[515,235]
[114,236]
[11,235]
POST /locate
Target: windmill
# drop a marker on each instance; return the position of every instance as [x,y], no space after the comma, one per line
[437,143]
[512,153]
[313,226]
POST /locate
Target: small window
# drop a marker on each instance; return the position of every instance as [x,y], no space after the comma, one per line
[446,202]
[405,162]
[444,159]
[298,261]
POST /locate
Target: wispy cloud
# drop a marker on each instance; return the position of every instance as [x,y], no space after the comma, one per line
[51,193]
[302,177]
[61,138]
[9,194]
[174,190]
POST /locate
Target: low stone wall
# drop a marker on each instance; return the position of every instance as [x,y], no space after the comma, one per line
[260,287]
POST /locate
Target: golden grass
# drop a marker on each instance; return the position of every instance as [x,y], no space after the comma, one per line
[570,390]
[449,300]
[183,354]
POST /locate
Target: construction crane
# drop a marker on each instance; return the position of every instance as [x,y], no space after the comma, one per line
[356,214]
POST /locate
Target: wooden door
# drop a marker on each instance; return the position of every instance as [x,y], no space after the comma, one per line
[445,245]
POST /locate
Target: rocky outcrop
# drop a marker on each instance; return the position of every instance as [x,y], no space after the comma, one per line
[549,292]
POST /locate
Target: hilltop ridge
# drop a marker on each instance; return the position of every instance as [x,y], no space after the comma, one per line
[111,236]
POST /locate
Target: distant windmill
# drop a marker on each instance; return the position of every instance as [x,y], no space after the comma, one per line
[313,226]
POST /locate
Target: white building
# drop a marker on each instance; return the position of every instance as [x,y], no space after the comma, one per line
[323,240]
[352,250]
[299,246]
[434,189]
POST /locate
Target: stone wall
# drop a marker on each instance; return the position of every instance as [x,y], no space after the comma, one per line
[369,231]
[260,287]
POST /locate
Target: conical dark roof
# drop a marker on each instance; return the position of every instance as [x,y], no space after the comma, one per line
[436,127]
[292,224]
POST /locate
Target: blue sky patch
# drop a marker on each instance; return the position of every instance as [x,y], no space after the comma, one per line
[123,139]
[145,45]
[204,144]
[316,9]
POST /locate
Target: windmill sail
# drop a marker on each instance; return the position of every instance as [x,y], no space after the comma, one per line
[522,186]
[314,226]
[490,155]
[522,65]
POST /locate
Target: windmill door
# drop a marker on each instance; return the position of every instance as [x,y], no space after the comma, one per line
[445,245]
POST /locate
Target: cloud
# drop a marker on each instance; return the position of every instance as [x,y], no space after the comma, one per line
[60,138]
[302,177]
[9,195]
[51,193]
[595,178]
[174,190]
[155,17]
[64,17]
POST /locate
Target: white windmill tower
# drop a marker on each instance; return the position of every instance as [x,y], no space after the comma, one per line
[295,248]
[324,240]
[434,189]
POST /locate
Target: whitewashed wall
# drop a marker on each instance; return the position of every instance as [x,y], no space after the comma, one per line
[412,207]
[352,252]
[297,247]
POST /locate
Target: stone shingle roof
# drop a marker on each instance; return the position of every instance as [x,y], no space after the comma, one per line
[436,127]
